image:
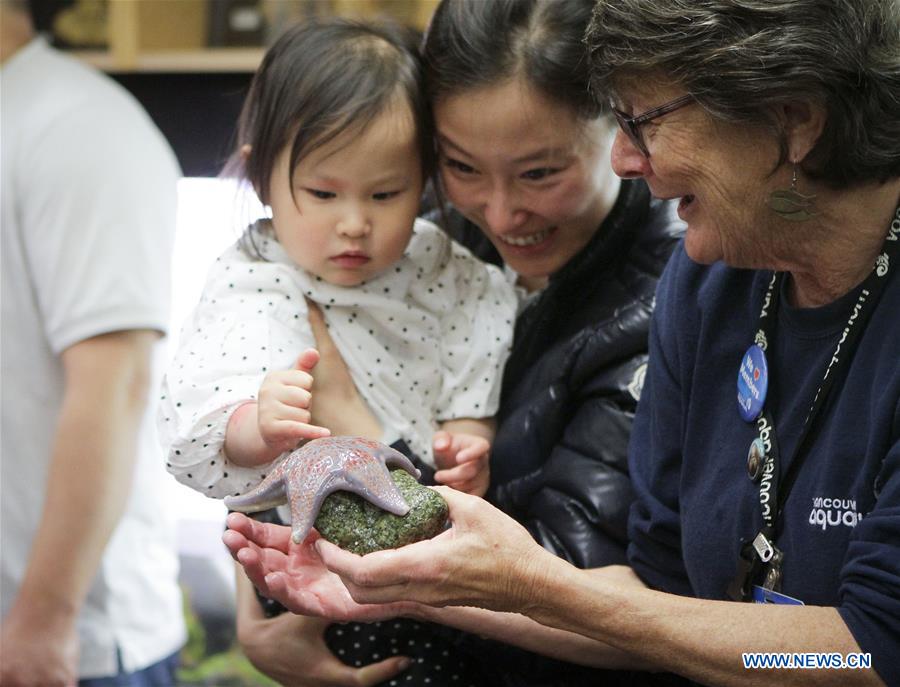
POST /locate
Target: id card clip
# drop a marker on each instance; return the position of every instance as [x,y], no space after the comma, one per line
[772,581]
[764,548]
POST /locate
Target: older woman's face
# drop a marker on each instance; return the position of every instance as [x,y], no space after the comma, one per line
[533,176]
[720,172]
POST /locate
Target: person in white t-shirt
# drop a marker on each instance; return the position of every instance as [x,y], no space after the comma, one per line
[88,576]
[335,139]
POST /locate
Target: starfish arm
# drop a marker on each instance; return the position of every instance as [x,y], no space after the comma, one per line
[391,456]
[373,482]
[267,494]
[306,492]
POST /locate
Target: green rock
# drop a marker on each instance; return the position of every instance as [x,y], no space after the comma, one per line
[356,525]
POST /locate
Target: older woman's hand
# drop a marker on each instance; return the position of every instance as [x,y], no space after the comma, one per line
[293,574]
[486,559]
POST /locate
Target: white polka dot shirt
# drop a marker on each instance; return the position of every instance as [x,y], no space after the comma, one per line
[425,342]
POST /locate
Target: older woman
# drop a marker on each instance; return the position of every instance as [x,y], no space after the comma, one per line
[766,451]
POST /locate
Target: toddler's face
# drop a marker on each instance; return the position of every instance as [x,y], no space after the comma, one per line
[350,213]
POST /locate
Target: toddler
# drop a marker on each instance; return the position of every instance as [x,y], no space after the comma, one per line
[335,138]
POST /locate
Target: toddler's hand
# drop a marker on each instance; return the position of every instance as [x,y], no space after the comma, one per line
[462,461]
[285,398]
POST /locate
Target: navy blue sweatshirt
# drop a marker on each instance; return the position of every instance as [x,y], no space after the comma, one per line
[688,458]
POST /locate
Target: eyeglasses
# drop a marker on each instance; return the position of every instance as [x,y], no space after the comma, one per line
[632,125]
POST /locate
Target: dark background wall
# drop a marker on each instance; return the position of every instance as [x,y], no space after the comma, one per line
[197,113]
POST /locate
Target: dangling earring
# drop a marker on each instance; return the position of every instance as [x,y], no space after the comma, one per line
[791,204]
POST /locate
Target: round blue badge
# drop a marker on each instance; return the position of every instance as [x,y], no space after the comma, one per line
[752,383]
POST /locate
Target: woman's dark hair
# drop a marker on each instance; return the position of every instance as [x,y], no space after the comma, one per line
[471,44]
[322,78]
[740,59]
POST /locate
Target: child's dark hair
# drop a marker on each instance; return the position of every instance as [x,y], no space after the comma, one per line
[472,44]
[322,78]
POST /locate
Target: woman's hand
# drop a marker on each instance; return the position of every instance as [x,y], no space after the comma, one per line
[293,574]
[337,403]
[291,648]
[486,559]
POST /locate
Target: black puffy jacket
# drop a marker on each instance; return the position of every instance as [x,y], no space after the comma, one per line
[558,463]
[559,460]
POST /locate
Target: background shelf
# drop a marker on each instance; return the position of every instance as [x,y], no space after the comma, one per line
[196,35]
[206,60]
[190,62]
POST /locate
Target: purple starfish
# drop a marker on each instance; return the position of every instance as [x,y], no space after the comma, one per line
[323,466]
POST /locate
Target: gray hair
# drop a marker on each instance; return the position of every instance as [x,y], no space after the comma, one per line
[742,58]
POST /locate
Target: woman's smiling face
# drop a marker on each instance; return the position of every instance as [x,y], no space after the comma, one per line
[720,172]
[530,173]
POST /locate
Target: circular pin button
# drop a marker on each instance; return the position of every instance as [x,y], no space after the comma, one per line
[752,383]
[756,456]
